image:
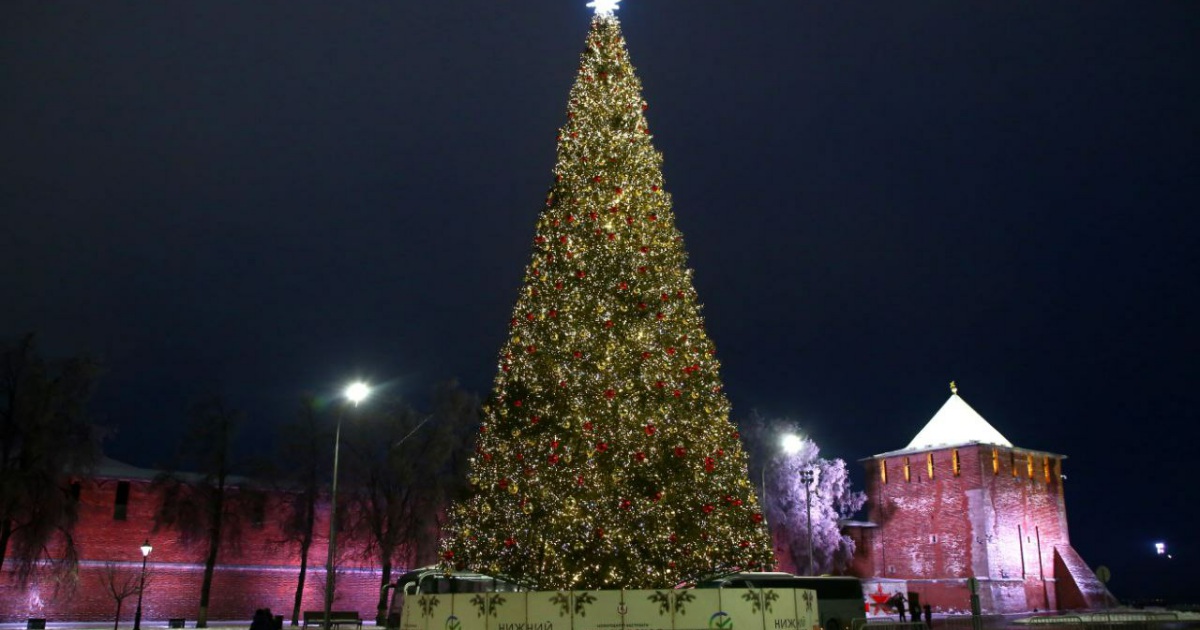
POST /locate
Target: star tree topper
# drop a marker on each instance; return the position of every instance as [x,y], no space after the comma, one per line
[604,7]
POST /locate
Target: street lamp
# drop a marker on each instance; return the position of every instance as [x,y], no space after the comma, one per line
[354,393]
[791,444]
[137,618]
[806,476]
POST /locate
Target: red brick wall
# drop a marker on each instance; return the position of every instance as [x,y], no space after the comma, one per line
[261,572]
[935,531]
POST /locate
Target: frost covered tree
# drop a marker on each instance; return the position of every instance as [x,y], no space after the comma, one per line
[783,475]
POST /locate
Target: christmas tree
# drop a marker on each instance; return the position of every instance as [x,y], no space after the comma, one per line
[606,458]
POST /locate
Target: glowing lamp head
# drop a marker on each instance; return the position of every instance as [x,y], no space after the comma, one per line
[146,549]
[792,444]
[1161,548]
[357,392]
[604,7]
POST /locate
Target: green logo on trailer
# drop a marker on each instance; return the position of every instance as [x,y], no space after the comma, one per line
[452,623]
[720,621]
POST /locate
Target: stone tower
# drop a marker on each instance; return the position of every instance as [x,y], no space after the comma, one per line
[960,502]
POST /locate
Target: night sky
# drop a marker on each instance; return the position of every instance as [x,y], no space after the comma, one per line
[263,199]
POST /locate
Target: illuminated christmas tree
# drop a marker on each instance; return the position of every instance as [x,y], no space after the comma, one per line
[606,457]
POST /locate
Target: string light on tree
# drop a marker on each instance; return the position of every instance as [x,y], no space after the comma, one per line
[606,458]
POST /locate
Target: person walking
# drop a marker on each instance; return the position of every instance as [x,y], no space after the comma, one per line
[897,602]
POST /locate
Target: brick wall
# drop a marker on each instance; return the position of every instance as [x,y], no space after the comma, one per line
[259,572]
[939,525]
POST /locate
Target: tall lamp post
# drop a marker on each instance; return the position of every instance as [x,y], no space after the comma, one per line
[137,617]
[806,476]
[354,393]
[791,444]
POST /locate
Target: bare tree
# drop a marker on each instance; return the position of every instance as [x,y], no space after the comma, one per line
[304,446]
[209,505]
[45,438]
[407,467]
[121,581]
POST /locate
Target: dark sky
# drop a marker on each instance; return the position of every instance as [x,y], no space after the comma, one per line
[267,198]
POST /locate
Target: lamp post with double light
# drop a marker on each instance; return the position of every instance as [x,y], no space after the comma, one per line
[806,476]
[137,617]
[355,393]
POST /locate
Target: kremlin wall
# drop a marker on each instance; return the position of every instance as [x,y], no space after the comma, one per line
[116,515]
[959,502]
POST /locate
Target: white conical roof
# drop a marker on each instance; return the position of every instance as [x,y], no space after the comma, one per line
[954,424]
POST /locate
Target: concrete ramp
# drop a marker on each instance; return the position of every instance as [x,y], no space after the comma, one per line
[1076,586]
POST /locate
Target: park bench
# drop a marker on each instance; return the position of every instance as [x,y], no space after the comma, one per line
[336,618]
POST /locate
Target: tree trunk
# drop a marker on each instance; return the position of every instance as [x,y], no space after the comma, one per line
[304,545]
[117,619]
[381,614]
[210,563]
[5,535]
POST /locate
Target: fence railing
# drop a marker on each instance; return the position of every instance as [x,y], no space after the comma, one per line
[886,624]
[1115,620]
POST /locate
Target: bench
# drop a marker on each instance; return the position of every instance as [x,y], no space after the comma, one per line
[336,618]
[175,622]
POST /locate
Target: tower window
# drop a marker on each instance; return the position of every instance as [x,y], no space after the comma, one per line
[883,470]
[957,463]
[995,461]
[122,503]
[1046,468]
[907,470]
[1012,457]
[929,464]
[1029,464]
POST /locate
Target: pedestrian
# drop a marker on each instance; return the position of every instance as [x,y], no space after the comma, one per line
[928,617]
[898,603]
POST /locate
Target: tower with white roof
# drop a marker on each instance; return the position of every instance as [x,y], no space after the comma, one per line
[962,502]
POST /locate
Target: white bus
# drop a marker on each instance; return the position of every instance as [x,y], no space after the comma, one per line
[435,580]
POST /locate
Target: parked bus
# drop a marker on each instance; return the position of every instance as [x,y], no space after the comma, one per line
[839,599]
[434,580]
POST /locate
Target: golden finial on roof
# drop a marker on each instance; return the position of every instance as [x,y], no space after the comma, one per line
[953,388]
